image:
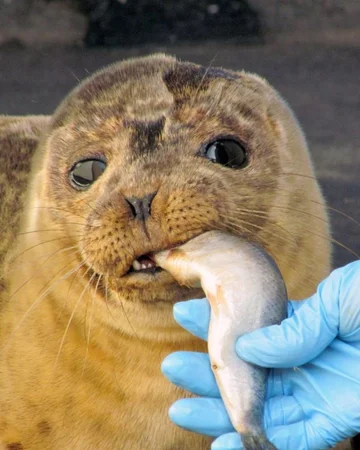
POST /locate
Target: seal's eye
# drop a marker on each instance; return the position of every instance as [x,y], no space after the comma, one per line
[84,173]
[227,152]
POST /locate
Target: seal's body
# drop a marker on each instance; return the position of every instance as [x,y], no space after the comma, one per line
[143,156]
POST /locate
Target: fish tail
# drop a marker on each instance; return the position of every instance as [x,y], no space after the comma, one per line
[254,441]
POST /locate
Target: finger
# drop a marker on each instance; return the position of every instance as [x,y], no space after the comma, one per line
[299,338]
[296,436]
[229,441]
[282,410]
[194,316]
[275,383]
[202,415]
[349,329]
[191,371]
[301,435]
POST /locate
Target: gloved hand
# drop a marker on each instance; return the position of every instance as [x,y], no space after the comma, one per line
[313,392]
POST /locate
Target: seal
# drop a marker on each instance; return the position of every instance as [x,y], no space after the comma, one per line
[141,157]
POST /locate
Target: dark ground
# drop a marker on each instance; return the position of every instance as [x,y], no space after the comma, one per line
[320,81]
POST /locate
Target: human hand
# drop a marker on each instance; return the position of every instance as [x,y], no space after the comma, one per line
[313,392]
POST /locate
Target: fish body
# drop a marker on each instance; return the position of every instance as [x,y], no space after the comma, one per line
[246,291]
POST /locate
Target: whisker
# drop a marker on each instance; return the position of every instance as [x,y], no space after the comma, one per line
[329,239]
[327,206]
[256,213]
[303,175]
[43,295]
[262,229]
[263,216]
[51,376]
[25,263]
[75,76]
[59,209]
[57,229]
[90,324]
[34,276]
[226,218]
[302,212]
[236,227]
[334,241]
[72,316]
[126,316]
[92,208]
[290,284]
[338,211]
[107,296]
[70,286]
[41,243]
[203,79]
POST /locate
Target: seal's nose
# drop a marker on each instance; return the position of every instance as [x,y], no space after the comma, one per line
[141,207]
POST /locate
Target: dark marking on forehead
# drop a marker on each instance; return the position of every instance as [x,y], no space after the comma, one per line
[86,96]
[112,75]
[14,446]
[218,72]
[127,71]
[185,78]
[97,84]
[145,135]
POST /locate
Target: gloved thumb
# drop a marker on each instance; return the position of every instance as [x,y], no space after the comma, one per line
[301,337]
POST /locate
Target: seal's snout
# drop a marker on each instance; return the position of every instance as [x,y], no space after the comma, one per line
[141,207]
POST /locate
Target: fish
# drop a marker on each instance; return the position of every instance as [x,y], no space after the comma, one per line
[246,291]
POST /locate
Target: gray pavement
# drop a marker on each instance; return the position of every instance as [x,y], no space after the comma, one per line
[320,81]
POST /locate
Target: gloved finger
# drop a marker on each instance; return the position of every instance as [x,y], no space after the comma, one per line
[301,435]
[194,316]
[282,410]
[349,327]
[301,337]
[283,437]
[191,371]
[202,415]
[275,383]
[229,441]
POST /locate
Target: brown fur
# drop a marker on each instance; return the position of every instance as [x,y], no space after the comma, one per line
[81,368]
[18,140]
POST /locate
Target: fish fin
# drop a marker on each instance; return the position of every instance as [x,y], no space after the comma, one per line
[252,441]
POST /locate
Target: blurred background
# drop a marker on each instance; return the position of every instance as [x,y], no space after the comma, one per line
[308,49]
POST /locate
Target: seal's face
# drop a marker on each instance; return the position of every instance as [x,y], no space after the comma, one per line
[152,152]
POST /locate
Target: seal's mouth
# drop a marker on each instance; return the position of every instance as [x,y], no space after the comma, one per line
[144,264]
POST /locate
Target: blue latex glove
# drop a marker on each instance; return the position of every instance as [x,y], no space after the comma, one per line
[313,406]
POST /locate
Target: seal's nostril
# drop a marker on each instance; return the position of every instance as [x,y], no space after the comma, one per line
[130,202]
[141,207]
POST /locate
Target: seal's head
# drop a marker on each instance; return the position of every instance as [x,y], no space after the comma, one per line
[151,152]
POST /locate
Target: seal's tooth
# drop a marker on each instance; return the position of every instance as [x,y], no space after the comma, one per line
[136,265]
